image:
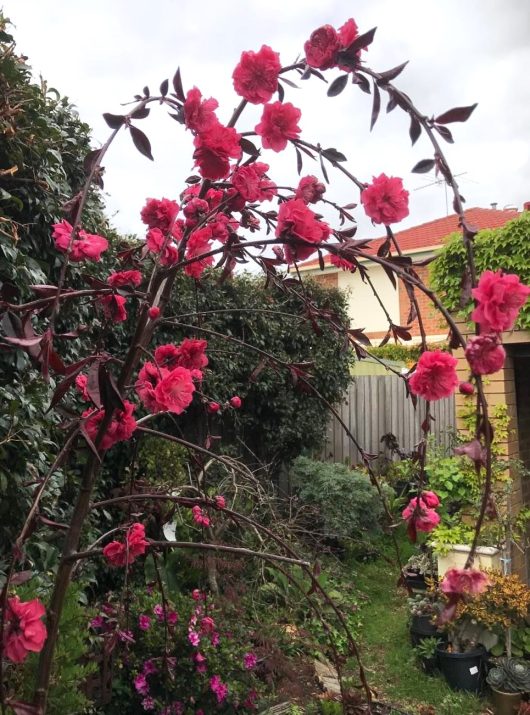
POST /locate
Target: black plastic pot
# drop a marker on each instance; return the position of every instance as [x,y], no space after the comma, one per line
[463,671]
[420,628]
[415,581]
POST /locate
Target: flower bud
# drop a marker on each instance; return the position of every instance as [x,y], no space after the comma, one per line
[466,388]
[214,407]
[154,312]
[235,401]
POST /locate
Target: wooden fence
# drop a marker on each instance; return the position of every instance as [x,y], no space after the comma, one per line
[377,405]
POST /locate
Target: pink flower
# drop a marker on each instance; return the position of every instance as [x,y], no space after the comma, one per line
[220,502]
[158,610]
[172,618]
[213,150]
[148,703]
[81,382]
[500,296]
[194,638]
[199,114]
[250,660]
[310,190]
[159,213]
[252,183]
[116,553]
[189,354]
[222,226]
[199,242]
[235,402]
[195,210]
[200,662]
[420,516]
[120,429]
[24,631]
[97,622]
[464,581]
[87,246]
[207,624]
[120,554]
[342,263]
[347,34]
[279,123]
[256,75]
[322,47]
[148,378]
[196,594]
[435,375]
[299,225]
[136,541]
[466,388]
[114,307]
[148,668]
[157,243]
[215,639]
[144,622]
[485,354]
[154,312]
[219,688]
[214,407]
[200,517]
[124,278]
[174,391]
[385,200]
[431,499]
[141,685]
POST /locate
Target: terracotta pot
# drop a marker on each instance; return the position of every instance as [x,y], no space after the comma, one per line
[505,703]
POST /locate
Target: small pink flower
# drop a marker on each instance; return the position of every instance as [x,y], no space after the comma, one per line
[141,685]
[215,639]
[81,382]
[464,582]
[214,407]
[485,354]
[207,624]
[148,703]
[97,622]
[385,200]
[250,660]
[153,312]
[194,638]
[235,402]
[200,517]
[435,375]
[172,617]
[500,296]
[158,610]
[144,622]
[466,388]
[219,688]
[196,594]
[220,502]
[149,667]
[431,499]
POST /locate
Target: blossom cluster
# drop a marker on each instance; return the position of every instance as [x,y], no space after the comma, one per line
[123,553]
[420,513]
[24,631]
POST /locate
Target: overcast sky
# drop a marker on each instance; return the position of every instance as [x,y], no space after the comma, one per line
[101,52]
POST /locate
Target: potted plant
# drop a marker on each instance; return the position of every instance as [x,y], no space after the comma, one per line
[424,610]
[508,680]
[418,569]
[426,652]
[461,658]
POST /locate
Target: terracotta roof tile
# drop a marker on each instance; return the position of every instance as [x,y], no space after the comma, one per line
[432,233]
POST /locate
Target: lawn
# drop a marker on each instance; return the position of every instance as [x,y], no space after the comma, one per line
[388,655]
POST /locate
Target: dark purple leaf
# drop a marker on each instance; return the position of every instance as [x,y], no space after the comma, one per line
[362,81]
[348,56]
[444,133]
[358,335]
[91,160]
[177,116]
[20,577]
[337,85]
[391,276]
[384,248]
[457,114]
[108,390]
[115,121]
[146,91]
[92,385]
[402,332]
[466,286]
[24,342]
[140,113]
[177,86]
[23,708]
[288,82]
[324,172]
[193,179]
[376,106]
[141,142]
[321,261]
[456,207]
[91,444]
[333,155]
[44,291]
[164,87]
[414,129]
[281,92]
[299,161]
[248,147]
[389,75]
[392,104]
[423,166]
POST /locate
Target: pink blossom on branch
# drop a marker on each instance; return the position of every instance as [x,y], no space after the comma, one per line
[256,75]
[310,189]
[235,402]
[251,182]
[297,224]
[174,392]
[200,517]
[120,553]
[199,113]
[279,123]
[435,375]
[24,630]
[500,296]
[114,308]
[322,47]
[464,582]
[124,278]
[485,354]
[159,213]
[199,242]
[214,149]
[87,246]
[120,429]
[385,200]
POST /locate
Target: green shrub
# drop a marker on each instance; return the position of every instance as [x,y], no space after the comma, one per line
[344,502]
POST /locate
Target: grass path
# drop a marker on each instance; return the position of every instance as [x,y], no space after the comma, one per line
[388,655]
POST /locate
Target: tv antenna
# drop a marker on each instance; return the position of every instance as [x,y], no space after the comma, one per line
[439,182]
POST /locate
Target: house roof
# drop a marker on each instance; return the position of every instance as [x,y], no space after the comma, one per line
[432,233]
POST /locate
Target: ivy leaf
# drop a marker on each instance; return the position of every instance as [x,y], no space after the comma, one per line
[141,142]
[337,85]
[457,114]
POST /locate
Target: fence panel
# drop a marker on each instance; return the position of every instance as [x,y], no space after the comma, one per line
[376,405]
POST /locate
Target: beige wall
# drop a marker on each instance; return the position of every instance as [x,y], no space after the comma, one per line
[363,307]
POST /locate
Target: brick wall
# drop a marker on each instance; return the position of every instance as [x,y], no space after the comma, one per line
[328,280]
